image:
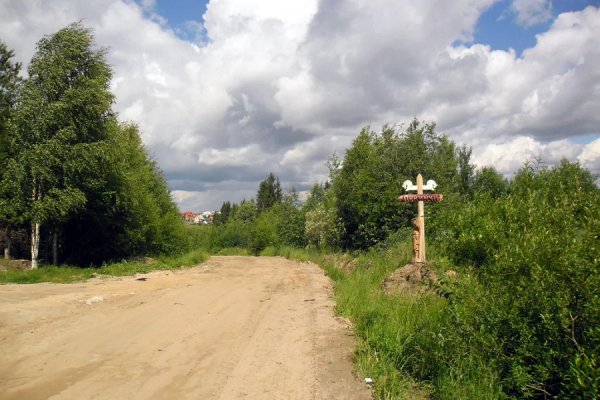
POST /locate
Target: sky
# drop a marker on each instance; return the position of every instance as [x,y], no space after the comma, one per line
[226,91]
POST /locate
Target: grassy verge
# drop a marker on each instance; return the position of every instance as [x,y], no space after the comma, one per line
[384,325]
[233,251]
[66,274]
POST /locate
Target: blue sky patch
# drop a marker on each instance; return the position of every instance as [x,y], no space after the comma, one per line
[184,17]
[499,28]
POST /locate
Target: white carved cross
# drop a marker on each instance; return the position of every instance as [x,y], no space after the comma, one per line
[419,222]
[409,187]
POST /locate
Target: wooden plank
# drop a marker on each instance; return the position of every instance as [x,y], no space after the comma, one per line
[427,197]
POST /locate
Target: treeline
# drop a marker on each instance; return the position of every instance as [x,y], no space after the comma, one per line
[356,207]
[275,218]
[74,178]
[520,321]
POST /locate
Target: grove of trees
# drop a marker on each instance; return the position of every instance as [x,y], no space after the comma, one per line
[76,179]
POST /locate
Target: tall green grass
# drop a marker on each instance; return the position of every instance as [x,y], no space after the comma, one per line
[67,274]
[385,325]
[51,274]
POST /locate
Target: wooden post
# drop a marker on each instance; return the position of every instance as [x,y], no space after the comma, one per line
[421,222]
[418,223]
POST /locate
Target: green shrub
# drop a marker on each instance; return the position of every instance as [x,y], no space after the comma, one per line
[530,308]
[265,232]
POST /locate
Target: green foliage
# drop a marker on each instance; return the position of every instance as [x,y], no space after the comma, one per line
[269,193]
[222,217]
[489,182]
[74,168]
[531,314]
[236,233]
[129,210]
[323,228]
[466,172]
[245,211]
[265,232]
[61,118]
[315,197]
[290,220]
[384,325]
[521,320]
[9,84]
[280,225]
[66,274]
[200,236]
[154,221]
[583,377]
[370,179]
[53,274]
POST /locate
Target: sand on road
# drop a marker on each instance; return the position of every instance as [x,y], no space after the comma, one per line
[231,328]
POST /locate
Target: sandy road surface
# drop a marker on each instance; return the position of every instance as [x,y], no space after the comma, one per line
[231,328]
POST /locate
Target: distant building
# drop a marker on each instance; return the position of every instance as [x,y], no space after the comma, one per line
[188,216]
[204,218]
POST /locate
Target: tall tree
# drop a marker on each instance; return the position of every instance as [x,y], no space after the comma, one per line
[315,197]
[60,126]
[269,193]
[466,171]
[128,210]
[9,83]
[489,181]
[223,215]
[372,173]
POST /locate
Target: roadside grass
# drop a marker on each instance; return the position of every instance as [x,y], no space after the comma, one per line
[294,253]
[51,274]
[69,274]
[385,325]
[233,251]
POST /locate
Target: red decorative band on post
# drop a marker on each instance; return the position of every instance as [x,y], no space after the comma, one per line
[413,198]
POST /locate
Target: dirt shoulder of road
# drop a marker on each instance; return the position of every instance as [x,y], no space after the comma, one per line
[231,328]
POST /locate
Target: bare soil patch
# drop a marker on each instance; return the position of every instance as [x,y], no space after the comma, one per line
[231,328]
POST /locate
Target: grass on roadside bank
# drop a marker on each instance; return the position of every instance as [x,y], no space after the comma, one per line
[398,336]
[232,251]
[384,325]
[68,274]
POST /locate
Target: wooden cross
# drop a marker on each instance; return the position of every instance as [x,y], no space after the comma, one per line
[419,222]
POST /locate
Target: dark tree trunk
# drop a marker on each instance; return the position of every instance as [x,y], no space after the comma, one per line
[55,247]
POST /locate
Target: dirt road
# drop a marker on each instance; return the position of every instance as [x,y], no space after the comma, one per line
[231,328]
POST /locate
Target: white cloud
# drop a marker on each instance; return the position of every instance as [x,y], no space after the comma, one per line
[532,12]
[510,155]
[590,156]
[241,156]
[279,86]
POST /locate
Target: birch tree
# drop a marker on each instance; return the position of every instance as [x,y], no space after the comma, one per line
[60,127]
